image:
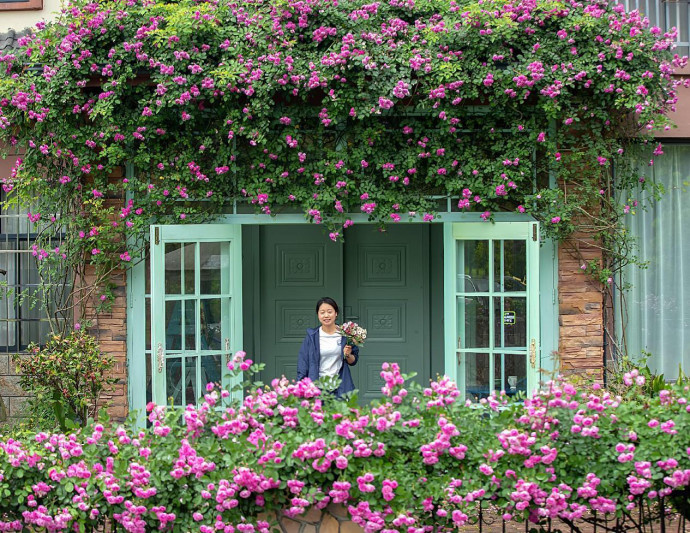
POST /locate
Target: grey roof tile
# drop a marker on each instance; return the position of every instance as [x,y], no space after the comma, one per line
[8,40]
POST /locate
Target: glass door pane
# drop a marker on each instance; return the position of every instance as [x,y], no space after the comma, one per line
[196,286]
[494,334]
[477,375]
[510,373]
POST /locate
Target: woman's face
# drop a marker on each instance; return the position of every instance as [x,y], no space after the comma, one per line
[327,315]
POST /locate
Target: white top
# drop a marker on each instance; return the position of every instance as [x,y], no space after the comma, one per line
[331,358]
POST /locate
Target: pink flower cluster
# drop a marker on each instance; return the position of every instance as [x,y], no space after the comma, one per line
[296,79]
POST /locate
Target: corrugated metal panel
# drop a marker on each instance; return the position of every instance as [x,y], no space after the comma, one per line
[666,14]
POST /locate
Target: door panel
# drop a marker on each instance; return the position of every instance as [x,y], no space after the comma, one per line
[387,293]
[379,279]
[298,265]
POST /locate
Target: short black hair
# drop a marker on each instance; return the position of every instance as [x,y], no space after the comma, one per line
[329,301]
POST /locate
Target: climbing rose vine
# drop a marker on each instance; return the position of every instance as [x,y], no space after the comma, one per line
[417,460]
[329,107]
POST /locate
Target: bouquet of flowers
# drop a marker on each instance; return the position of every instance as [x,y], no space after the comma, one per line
[353,333]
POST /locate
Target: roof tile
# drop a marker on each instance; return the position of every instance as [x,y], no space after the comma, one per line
[8,40]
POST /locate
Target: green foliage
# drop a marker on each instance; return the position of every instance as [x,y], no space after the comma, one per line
[629,369]
[68,374]
[336,108]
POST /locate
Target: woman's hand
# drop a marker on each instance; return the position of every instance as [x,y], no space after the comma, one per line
[347,352]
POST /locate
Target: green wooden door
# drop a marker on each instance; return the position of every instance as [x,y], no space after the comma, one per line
[196,286]
[387,293]
[379,279]
[298,265]
[492,307]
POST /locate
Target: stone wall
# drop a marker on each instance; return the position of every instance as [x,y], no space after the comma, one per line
[580,311]
[333,519]
[12,397]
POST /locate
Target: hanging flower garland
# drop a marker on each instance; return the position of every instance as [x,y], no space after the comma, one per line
[333,107]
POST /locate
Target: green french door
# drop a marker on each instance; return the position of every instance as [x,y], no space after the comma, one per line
[196,296]
[492,307]
[386,291]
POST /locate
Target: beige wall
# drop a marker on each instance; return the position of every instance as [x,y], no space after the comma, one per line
[18,20]
[681,117]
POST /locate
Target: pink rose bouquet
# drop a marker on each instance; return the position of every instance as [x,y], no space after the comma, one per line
[354,334]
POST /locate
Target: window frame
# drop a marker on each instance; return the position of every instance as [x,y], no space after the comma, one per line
[22,5]
[19,257]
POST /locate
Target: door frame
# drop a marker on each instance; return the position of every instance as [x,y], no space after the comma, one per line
[529,231]
[548,284]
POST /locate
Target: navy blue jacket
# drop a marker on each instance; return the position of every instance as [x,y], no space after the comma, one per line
[309,362]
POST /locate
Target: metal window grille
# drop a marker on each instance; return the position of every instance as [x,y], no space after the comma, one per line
[22,319]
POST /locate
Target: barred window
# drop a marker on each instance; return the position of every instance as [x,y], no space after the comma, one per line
[23,317]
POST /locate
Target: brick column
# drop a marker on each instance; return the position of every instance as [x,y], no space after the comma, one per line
[110,329]
[580,314]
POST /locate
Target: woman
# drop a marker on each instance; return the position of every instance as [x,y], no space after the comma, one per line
[324,350]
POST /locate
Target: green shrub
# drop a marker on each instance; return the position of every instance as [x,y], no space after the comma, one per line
[68,374]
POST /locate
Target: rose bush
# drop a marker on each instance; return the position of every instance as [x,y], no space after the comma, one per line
[332,107]
[415,460]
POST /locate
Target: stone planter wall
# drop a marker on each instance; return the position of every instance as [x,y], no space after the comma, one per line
[333,519]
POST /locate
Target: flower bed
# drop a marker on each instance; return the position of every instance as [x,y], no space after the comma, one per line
[415,460]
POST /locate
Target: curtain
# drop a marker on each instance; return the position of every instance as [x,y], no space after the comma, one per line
[658,304]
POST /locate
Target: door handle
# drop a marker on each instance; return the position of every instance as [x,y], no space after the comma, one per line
[533,353]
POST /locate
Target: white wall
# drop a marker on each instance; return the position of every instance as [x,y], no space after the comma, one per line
[18,20]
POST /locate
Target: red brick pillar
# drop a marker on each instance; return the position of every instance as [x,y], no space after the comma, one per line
[110,328]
